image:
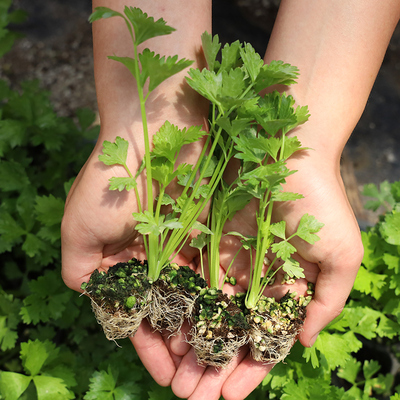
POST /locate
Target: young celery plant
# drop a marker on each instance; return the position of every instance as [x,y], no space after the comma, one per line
[263,173]
[146,67]
[233,85]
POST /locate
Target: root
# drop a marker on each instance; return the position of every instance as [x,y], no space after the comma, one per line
[217,351]
[269,348]
[119,324]
[169,308]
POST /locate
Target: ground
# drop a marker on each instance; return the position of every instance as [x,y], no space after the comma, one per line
[57,49]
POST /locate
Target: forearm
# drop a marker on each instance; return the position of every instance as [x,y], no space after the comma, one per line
[338,47]
[116,88]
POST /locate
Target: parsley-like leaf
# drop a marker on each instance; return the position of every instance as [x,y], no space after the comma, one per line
[211,46]
[114,152]
[122,183]
[158,68]
[308,227]
[146,27]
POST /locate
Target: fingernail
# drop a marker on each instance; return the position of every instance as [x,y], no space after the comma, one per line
[313,339]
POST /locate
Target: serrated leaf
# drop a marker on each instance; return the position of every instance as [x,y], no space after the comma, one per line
[278,229]
[337,348]
[211,46]
[114,152]
[169,140]
[251,60]
[122,183]
[382,196]
[146,27]
[350,370]
[369,282]
[157,69]
[285,196]
[35,354]
[51,388]
[48,299]
[12,134]
[201,240]
[390,227]
[291,266]
[103,12]
[10,230]
[205,82]
[49,210]
[13,385]
[308,227]
[370,368]
[33,245]
[276,73]
[12,176]
[230,55]
[104,386]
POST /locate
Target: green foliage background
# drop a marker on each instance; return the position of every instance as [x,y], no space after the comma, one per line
[51,346]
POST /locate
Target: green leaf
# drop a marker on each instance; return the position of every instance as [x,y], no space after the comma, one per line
[49,210]
[381,196]
[308,227]
[33,245]
[276,73]
[390,227]
[350,370]
[51,388]
[103,12]
[233,83]
[10,230]
[201,240]
[251,60]
[103,386]
[122,183]
[13,385]
[337,348]
[284,250]
[12,134]
[370,368]
[291,266]
[169,140]
[48,299]
[369,282]
[211,46]
[278,229]
[35,354]
[278,195]
[230,55]
[12,176]
[158,68]
[205,82]
[146,27]
[9,320]
[115,152]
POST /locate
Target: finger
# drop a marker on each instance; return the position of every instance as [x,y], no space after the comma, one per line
[332,289]
[187,376]
[245,378]
[175,358]
[178,343]
[212,381]
[154,354]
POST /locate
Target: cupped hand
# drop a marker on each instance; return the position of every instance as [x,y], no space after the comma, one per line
[331,264]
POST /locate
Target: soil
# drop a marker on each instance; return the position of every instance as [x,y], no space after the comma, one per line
[57,50]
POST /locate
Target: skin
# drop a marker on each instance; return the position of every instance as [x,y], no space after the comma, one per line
[338,47]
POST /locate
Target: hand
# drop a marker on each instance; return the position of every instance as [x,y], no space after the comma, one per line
[331,263]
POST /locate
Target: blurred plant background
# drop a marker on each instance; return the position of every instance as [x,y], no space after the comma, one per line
[51,346]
